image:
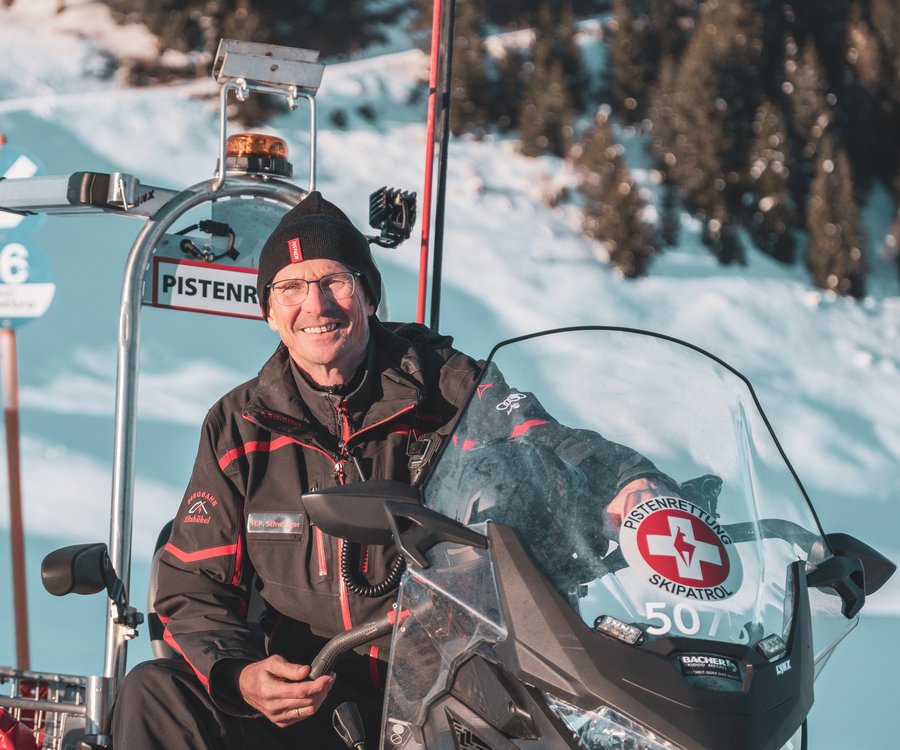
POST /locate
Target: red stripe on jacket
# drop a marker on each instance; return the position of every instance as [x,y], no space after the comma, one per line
[373,667]
[203,554]
[254,445]
[170,639]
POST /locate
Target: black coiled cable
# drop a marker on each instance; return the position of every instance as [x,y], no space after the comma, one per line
[356,582]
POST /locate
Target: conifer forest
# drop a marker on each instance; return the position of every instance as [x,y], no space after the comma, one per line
[768,121]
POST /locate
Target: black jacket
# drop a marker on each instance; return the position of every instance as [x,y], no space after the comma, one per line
[260,450]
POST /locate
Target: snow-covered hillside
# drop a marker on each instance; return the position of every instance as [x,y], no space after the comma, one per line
[826,370]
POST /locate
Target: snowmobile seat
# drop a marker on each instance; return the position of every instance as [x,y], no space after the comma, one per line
[160,648]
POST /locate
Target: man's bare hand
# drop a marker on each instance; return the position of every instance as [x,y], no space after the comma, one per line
[630,496]
[281,691]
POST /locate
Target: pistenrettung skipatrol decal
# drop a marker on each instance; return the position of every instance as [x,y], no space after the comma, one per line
[681,549]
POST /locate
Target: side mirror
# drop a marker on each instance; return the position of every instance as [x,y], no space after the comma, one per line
[78,569]
[878,569]
[87,569]
[855,571]
[418,529]
[356,511]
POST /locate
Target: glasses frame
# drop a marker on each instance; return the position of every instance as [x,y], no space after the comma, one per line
[273,289]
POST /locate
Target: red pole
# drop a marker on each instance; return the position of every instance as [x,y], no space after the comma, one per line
[16,528]
[429,160]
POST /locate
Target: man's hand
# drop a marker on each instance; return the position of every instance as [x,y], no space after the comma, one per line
[631,495]
[280,690]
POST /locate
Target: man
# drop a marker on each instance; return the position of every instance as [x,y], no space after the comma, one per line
[342,399]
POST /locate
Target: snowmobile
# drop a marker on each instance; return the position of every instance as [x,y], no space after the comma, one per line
[529,615]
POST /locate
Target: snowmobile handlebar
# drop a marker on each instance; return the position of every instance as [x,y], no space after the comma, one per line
[342,643]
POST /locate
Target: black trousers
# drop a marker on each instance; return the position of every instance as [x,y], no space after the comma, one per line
[163,706]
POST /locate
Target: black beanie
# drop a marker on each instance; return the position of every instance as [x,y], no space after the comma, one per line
[315,228]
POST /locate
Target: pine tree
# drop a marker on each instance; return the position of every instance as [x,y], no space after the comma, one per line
[508,89]
[613,208]
[771,220]
[835,255]
[332,27]
[645,33]
[669,221]
[469,85]
[885,26]
[547,105]
[631,56]
[708,111]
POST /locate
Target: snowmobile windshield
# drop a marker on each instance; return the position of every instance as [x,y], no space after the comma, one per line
[643,479]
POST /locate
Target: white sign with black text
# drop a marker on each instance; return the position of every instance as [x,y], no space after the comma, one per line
[205,287]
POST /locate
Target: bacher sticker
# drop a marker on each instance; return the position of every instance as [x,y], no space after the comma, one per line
[681,549]
[707,665]
[275,523]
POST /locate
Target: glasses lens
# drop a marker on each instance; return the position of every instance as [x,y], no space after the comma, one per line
[337,285]
[292,292]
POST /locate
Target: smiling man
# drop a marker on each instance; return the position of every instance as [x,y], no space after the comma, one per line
[342,399]
[322,314]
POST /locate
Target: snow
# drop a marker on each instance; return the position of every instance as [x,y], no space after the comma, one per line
[825,369]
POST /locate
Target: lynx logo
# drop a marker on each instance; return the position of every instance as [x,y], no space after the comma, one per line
[785,666]
[680,549]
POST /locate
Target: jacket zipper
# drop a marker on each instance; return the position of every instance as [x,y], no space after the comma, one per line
[351,436]
[341,478]
[343,593]
[320,552]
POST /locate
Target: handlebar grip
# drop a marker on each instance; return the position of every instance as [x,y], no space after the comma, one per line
[344,642]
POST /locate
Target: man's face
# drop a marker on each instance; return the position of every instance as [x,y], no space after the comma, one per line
[326,337]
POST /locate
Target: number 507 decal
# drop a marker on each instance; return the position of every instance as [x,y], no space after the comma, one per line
[686,619]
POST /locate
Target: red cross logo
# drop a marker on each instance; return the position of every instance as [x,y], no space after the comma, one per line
[683,549]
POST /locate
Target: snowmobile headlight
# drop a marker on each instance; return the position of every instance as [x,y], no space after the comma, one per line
[772,647]
[623,631]
[606,729]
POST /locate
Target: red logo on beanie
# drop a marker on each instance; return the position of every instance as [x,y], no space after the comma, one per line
[295,250]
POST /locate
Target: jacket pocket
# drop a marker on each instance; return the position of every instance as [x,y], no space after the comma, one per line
[278,543]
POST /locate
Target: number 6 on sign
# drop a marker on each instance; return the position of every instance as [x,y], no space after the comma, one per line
[14,264]
[25,286]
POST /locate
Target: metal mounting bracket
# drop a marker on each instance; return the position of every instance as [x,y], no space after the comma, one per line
[269,65]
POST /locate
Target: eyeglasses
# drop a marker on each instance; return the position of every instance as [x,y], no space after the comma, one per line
[291,292]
